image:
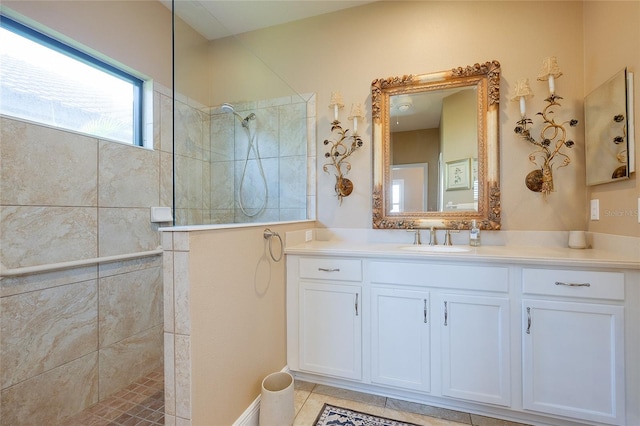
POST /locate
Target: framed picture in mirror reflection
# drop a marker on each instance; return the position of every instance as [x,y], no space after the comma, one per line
[458,174]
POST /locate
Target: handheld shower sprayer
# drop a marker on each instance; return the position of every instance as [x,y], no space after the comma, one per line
[251,146]
[244,121]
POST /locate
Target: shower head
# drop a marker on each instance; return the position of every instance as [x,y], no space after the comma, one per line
[244,121]
[227,108]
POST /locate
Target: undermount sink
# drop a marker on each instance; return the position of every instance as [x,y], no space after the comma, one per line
[436,249]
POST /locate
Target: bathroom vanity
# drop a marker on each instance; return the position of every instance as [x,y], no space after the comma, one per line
[530,334]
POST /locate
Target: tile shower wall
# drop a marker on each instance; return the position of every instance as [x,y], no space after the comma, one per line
[71,338]
[211,148]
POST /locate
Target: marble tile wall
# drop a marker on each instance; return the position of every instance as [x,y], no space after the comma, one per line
[177,329]
[211,151]
[72,337]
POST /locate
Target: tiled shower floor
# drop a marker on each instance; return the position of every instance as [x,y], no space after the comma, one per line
[140,403]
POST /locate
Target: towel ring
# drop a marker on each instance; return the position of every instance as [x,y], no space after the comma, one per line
[268,235]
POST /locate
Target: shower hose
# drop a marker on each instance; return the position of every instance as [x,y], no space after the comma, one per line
[252,145]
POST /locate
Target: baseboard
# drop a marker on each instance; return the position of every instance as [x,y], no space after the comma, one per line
[251,416]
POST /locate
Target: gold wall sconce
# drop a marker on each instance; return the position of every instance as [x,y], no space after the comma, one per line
[553,136]
[341,148]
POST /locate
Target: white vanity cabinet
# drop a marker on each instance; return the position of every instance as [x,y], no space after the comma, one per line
[469,331]
[400,338]
[474,345]
[573,344]
[513,338]
[329,317]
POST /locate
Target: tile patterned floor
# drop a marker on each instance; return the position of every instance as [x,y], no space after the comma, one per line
[309,399]
[142,404]
[139,404]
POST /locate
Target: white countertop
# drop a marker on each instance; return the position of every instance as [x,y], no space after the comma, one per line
[528,255]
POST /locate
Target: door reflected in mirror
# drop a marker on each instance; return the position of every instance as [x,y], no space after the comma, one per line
[409,187]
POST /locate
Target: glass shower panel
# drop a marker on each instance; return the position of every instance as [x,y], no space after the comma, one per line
[244,140]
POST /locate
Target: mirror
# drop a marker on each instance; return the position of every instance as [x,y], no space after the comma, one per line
[607,131]
[435,149]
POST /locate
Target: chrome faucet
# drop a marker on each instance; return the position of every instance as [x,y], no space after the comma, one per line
[447,237]
[432,237]
[416,237]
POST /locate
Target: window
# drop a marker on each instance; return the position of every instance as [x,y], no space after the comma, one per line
[397,196]
[47,81]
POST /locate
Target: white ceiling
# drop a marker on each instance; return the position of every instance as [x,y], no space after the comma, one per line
[215,19]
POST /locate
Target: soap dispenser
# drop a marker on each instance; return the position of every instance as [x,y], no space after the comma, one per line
[474,234]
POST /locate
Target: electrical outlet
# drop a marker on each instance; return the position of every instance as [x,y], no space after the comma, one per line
[595,209]
[308,235]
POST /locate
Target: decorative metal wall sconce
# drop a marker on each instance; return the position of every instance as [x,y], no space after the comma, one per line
[340,149]
[553,136]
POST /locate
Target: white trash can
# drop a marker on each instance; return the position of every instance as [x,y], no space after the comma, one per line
[276,400]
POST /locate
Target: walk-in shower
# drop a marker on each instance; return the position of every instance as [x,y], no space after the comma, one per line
[261,194]
[244,145]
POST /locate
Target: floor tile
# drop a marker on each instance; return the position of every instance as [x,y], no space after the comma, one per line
[142,404]
[427,410]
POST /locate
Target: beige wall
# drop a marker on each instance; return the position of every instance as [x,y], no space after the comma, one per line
[226,325]
[135,33]
[345,51]
[459,136]
[612,42]
[420,146]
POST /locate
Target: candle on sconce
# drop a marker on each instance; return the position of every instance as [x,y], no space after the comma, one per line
[550,71]
[356,112]
[522,93]
[336,103]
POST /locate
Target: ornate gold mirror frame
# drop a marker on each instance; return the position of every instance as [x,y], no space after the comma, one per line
[486,78]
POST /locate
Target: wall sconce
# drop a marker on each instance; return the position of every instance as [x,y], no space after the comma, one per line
[553,136]
[340,149]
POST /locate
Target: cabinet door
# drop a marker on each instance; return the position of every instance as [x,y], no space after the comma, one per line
[475,348]
[330,329]
[400,338]
[573,360]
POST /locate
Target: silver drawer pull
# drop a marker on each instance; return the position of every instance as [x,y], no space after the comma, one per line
[573,284]
[329,270]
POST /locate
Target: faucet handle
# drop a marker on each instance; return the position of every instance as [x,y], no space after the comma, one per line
[447,237]
[416,237]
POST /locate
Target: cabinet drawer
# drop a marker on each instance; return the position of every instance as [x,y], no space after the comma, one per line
[466,277]
[326,268]
[582,284]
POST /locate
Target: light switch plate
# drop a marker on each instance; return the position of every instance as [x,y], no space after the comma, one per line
[308,235]
[595,209]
